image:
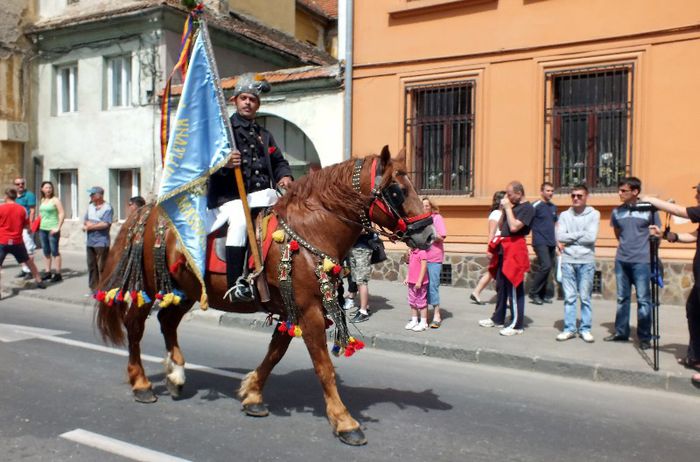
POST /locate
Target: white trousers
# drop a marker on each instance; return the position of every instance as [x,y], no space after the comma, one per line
[231,212]
[28,241]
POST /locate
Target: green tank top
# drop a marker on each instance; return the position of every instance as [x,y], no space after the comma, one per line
[49,215]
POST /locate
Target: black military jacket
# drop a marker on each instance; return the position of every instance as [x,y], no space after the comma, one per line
[262,163]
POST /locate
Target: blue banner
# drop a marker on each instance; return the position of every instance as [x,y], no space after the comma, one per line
[198,145]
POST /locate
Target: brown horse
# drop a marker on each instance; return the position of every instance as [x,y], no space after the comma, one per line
[325,209]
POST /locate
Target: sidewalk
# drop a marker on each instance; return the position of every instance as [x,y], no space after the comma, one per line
[461,339]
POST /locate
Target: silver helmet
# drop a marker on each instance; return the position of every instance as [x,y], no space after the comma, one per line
[253,84]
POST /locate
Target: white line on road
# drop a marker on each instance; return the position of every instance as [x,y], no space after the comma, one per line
[149,358]
[121,448]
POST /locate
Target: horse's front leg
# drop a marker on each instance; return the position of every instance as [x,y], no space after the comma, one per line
[250,392]
[344,425]
[174,361]
[135,322]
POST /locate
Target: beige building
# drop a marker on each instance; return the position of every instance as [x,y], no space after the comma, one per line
[15,55]
[482,92]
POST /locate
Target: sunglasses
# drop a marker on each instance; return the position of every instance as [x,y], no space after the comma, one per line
[577,196]
[19,184]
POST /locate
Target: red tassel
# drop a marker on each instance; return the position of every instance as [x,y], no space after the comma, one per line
[282,327]
[159,296]
[293,246]
[349,351]
[290,330]
[176,266]
[359,344]
[337,269]
[271,150]
[120,296]
[100,295]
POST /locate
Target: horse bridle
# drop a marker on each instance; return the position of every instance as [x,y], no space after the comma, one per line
[389,200]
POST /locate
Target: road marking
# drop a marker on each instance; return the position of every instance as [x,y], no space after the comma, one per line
[118,447]
[11,333]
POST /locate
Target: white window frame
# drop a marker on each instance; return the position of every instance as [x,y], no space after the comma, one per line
[118,205]
[67,79]
[119,79]
[73,190]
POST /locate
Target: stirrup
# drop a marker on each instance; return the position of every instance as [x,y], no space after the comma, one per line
[241,291]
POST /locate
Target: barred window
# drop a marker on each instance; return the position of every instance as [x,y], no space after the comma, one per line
[589,124]
[440,129]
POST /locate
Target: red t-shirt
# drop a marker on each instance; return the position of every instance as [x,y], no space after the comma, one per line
[13,219]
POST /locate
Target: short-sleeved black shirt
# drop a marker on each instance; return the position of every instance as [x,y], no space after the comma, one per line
[694,215]
[523,212]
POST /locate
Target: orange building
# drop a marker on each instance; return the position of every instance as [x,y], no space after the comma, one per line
[482,92]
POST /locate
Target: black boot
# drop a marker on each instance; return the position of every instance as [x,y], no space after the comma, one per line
[239,289]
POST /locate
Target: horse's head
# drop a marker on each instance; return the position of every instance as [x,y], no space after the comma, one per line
[397,205]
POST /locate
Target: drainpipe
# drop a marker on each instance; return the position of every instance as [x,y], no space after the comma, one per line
[348,80]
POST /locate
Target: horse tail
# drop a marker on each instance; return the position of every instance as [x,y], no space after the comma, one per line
[124,256]
[109,318]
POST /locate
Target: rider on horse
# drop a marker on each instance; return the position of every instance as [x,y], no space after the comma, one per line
[262,166]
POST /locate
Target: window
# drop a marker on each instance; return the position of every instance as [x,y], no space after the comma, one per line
[297,147]
[67,89]
[67,181]
[119,81]
[440,127]
[589,124]
[124,184]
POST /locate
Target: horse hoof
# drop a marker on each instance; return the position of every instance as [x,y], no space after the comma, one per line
[145,396]
[354,437]
[256,410]
[174,390]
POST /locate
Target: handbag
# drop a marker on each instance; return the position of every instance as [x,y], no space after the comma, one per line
[34,226]
[378,251]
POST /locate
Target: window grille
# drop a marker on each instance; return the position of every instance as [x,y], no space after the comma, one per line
[446,274]
[439,126]
[588,117]
[598,282]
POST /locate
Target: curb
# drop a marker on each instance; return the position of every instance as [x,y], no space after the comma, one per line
[660,381]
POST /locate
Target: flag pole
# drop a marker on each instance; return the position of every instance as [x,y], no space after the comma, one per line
[232,142]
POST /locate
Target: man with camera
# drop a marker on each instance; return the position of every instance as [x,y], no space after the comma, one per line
[692,306]
[633,225]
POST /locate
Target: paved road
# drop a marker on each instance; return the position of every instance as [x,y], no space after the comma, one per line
[413,408]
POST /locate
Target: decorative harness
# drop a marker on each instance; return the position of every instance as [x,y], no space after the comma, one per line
[328,270]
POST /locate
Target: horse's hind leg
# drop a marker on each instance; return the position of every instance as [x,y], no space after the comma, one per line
[135,322]
[344,425]
[250,392]
[174,362]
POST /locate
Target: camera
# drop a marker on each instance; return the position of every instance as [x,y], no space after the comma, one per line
[643,207]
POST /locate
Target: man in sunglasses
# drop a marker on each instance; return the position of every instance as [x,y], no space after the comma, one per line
[576,233]
[26,199]
[632,265]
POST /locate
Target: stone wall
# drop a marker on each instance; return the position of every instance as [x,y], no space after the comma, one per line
[467,269]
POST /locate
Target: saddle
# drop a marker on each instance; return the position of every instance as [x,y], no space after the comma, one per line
[265,224]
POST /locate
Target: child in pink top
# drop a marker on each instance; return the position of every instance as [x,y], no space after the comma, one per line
[417,281]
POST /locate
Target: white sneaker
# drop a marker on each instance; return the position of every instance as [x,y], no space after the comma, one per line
[587,337]
[489,323]
[565,335]
[411,324]
[420,327]
[349,304]
[509,331]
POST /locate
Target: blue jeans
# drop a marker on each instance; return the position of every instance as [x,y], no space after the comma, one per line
[629,274]
[434,283]
[577,281]
[49,243]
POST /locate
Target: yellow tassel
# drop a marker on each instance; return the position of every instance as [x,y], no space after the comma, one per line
[111,294]
[327,265]
[167,300]
[351,340]
[176,299]
[278,236]
[140,299]
[297,331]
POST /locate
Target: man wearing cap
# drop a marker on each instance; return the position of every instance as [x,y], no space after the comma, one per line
[263,167]
[692,305]
[26,199]
[97,222]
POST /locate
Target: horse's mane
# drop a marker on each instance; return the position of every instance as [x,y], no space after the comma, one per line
[329,188]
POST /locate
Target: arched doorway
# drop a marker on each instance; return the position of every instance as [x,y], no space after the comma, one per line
[297,147]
